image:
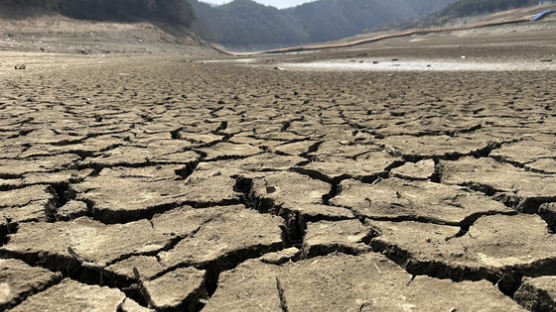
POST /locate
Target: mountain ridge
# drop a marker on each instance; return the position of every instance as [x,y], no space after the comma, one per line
[245,23]
[170,11]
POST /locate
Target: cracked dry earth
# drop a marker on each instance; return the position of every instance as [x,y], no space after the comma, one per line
[145,184]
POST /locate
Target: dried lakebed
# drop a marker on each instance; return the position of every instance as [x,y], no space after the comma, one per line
[420,65]
[147,184]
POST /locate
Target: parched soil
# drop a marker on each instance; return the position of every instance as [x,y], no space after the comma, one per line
[53,33]
[146,183]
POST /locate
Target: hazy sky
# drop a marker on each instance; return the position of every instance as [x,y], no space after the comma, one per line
[276,3]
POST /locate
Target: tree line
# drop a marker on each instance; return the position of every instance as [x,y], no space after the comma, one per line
[173,11]
[463,8]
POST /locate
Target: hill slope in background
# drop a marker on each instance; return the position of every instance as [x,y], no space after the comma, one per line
[99,27]
[170,11]
[463,8]
[245,23]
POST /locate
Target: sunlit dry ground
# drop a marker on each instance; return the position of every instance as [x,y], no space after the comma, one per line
[232,187]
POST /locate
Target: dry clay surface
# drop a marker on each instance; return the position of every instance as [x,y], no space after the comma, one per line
[149,184]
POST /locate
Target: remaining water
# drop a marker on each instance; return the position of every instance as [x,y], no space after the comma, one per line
[419,65]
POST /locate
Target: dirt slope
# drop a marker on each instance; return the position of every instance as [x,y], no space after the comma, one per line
[55,33]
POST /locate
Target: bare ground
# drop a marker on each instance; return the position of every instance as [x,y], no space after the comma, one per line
[58,34]
[137,183]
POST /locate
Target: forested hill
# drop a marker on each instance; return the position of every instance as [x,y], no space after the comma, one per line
[475,7]
[244,23]
[172,11]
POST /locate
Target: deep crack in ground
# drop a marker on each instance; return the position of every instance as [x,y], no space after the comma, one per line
[251,189]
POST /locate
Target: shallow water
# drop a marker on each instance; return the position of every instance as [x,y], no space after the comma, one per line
[418,65]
